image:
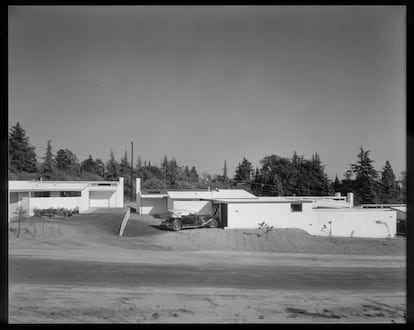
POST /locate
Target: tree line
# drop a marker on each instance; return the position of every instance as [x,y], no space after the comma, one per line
[277,176]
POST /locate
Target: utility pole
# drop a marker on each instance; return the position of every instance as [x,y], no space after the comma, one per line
[132,167]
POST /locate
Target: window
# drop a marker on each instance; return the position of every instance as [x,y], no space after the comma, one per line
[70,194]
[296,207]
[42,194]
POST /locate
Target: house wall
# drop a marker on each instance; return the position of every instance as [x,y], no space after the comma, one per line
[356,223]
[103,199]
[153,205]
[278,215]
[197,206]
[344,223]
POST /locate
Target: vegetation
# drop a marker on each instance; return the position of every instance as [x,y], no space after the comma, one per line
[277,176]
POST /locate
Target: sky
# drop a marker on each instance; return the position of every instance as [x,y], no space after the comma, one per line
[208,84]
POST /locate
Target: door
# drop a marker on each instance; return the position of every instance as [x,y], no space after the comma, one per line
[223,215]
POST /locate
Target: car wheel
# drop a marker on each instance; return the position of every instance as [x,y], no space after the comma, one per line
[213,223]
[176,225]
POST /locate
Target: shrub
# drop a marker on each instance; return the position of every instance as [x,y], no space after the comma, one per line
[55,211]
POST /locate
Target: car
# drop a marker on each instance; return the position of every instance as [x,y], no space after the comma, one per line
[180,219]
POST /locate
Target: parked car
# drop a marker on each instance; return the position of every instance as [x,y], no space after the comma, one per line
[180,219]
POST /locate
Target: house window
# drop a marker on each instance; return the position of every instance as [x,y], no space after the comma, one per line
[42,194]
[296,207]
[70,194]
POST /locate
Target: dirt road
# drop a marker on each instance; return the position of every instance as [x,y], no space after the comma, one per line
[84,273]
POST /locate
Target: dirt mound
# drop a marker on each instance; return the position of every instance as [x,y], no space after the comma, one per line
[101,230]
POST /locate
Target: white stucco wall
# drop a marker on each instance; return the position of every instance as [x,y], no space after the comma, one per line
[103,199]
[344,223]
[356,223]
[153,205]
[197,206]
[278,215]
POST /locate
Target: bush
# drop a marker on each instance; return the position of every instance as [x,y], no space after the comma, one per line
[49,212]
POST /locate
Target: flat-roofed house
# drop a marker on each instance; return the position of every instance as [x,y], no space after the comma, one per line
[83,195]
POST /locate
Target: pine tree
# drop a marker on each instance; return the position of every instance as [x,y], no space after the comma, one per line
[243,171]
[112,168]
[194,175]
[187,174]
[124,166]
[21,152]
[225,177]
[365,184]
[172,172]
[390,191]
[48,166]
[164,168]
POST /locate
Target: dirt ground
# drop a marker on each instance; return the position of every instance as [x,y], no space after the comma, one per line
[94,237]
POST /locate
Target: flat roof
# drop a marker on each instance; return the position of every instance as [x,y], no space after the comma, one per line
[154,196]
[399,208]
[46,186]
[353,209]
[212,194]
[262,200]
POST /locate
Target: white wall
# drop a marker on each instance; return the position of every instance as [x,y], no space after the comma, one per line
[278,215]
[356,223]
[102,199]
[197,206]
[344,223]
[153,206]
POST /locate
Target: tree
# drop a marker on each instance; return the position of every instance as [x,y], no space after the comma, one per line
[124,166]
[112,168]
[154,183]
[92,166]
[186,174]
[48,166]
[67,161]
[164,168]
[244,171]
[21,152]
[101,166]
[404,186]
[390,191]
[194,175]
[365,185]
[125,172]
[172,172]
[225,177]
[336,185]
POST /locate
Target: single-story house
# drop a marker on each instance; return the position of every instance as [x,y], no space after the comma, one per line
[317,215]
[32,195]
[197,201]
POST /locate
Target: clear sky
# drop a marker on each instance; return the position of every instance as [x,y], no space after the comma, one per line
[206,84]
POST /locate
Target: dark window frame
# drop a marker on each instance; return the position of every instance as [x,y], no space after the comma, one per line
[296,207]
[70,193]
[40,194]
